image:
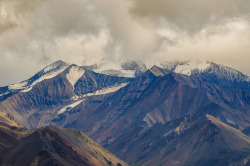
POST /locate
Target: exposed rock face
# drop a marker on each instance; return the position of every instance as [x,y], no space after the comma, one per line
[52,146]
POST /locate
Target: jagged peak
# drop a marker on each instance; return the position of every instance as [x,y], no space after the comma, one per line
[204,69]
[48,72]
[158,71]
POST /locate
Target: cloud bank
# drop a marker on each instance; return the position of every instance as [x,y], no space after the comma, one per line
[34,33]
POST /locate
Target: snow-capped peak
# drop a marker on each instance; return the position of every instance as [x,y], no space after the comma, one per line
[205,69]
[55,66]
[47,73]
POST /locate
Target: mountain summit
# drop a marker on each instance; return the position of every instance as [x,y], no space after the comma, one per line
[218,74]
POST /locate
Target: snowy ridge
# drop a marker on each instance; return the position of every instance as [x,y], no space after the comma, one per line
[230,73]
[55,66]
[74,73]
[195,68]
[44,77]
[17,86]
[204,69]
[47,73]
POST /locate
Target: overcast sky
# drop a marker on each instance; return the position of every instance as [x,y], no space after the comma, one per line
[35,33]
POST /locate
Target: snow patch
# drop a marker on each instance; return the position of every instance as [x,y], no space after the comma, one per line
[101,91]
[75,74]
[106,90]
[69,107]
[4,94]
[18,86]
[187,68]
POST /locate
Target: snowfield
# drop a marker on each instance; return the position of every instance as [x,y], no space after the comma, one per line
[75,74]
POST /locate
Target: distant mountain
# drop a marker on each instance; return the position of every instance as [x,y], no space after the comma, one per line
[51,146]
[35,101]
[218,74]
[186,141]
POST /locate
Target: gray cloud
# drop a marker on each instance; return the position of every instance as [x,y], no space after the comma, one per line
[34,33]
[191,15]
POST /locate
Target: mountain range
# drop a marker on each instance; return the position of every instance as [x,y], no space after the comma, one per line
[178,113]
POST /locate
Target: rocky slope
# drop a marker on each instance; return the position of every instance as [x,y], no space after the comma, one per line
[156,97]
[186,141]
[51,146]
[35,101]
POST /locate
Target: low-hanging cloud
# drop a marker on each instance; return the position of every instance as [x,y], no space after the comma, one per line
[34,33]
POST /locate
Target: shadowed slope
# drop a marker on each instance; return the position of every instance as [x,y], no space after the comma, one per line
[182,142]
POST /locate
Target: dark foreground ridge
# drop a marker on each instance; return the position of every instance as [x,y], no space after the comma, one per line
[51,146]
